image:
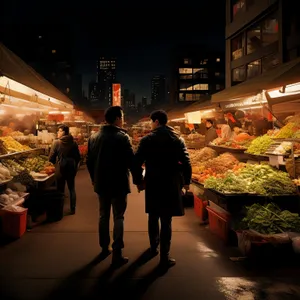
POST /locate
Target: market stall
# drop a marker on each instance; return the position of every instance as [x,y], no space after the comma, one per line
[25,173]
[246,186]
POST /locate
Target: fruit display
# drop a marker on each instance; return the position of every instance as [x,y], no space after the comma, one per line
[24,178]
[4,174]
[39,164]
[9,197]
[13,166]
[3,149]
[12,145]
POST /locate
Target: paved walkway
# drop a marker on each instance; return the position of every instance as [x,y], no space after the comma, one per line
[61,260]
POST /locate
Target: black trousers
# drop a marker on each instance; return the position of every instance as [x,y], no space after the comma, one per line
[160,237]
[118,205]
[61,184]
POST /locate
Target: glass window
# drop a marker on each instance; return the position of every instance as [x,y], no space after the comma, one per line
[200,73]
[204,61]
[189,97]
[270,61]
[186,76]
[181,96]
[237,47]
[187,61]
[254,40]
[254,69]
[183,86]
[238,6]
[238,74]
[270,31]
[200,87]
[185,71]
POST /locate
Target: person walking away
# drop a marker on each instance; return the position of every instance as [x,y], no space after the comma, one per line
[168,170]
[211,132]
[65,155]
[110,156]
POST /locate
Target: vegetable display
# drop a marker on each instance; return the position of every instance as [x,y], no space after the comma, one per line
[270,219]
[253,179]
[260,145]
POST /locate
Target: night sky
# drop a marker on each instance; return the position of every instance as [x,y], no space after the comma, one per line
[140,34]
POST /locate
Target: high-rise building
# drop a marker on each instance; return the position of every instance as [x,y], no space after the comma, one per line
[197,72]
[106,76]
[144,102]
[94,94]
[259,36]
[158,89]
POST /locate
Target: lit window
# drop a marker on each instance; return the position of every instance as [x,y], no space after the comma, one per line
[53,51]
[218,59]
[187,61]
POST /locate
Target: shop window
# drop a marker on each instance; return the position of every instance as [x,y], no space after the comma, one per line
[270,30]
[238,7]
[237,47]
[270,61]
[254,69]
[254,40]
[238,75]
[185,71]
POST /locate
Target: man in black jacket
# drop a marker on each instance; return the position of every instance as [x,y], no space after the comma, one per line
[168,170]
[109,159]
[65,155]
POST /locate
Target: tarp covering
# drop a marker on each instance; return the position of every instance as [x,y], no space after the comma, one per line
[284,74]
[16,69]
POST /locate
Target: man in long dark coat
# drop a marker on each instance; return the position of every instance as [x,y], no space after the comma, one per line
[168,170]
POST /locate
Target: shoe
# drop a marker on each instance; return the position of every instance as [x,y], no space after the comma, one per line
[105,253]
[118,260]
[167,262]
[153,251]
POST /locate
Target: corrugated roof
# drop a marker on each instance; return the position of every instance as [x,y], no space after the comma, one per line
[284,74]
[16,69]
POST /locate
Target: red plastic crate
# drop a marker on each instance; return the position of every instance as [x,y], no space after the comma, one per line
[218,223]
[200,208]
[14,224]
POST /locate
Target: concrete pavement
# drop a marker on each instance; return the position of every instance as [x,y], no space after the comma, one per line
[61,260]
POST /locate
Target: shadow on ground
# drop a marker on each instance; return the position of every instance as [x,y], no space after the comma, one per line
[108,286]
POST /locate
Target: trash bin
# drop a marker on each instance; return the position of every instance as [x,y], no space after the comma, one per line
[14,221]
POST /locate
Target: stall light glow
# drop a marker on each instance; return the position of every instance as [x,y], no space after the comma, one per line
[2,112]
[6,82]
[177,120]
[291,89]
[20,115]
[253,107]
[193,117]
[24,107]
[17,100]
[59,112]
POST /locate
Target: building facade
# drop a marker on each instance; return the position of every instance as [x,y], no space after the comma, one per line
[197,72]
[158,89]
[106,76]
[260,34]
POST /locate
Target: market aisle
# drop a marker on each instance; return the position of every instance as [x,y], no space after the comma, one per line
[60,260]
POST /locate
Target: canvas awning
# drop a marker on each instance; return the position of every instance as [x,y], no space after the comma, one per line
[15,69]
[284,74]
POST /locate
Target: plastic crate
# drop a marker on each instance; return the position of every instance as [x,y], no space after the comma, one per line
[14,223]
[218,223]
[200,208]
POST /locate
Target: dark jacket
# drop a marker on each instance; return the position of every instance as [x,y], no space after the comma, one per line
[210,135]
[109,159]
[67,147]
[168,168]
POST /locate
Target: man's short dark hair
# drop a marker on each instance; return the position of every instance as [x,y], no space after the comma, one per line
[64,128]
[112,113]
[210,121]
[159,115]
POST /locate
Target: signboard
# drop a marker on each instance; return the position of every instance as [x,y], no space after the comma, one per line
[248,102]
[116,94]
